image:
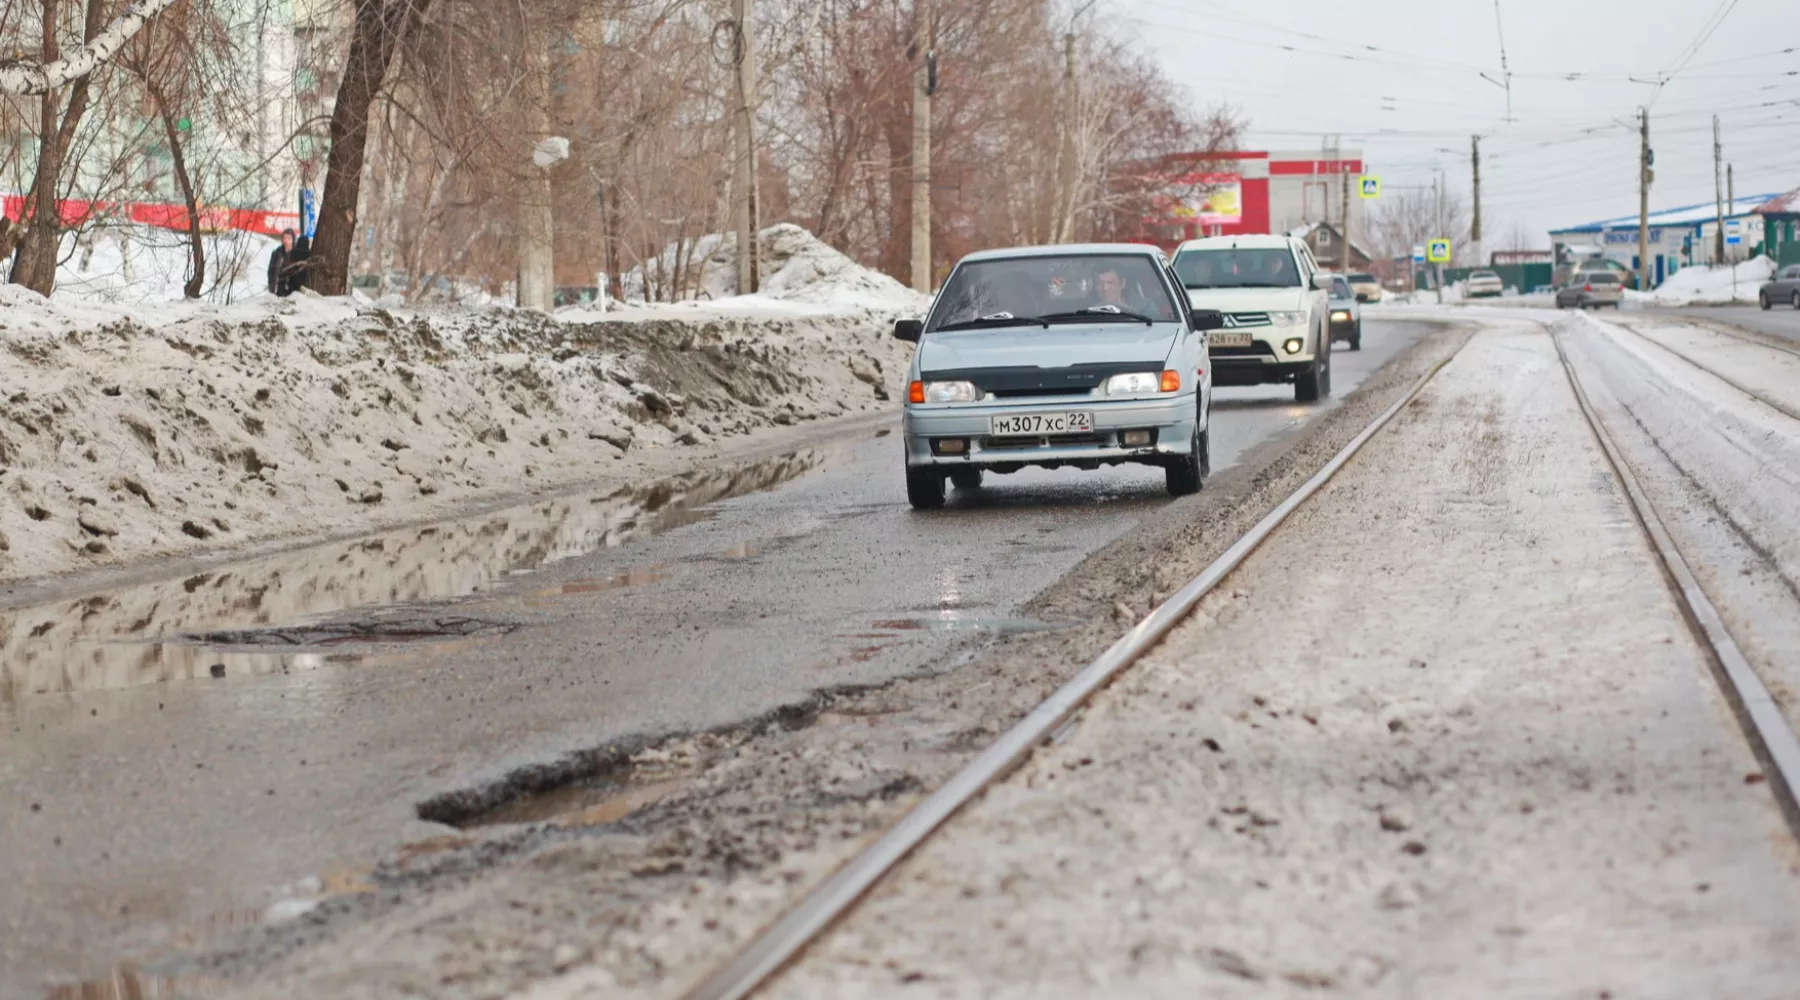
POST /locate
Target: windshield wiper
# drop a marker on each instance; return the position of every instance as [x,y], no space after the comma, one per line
[997,319]
[1099,313]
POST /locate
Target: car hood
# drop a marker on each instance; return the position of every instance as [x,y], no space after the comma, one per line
[1056,347]
[1248,299]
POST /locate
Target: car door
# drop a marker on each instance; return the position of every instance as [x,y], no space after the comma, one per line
[1191,353]
[1790,282]
[1318,300]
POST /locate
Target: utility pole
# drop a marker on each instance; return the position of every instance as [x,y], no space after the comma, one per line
[1437,195]
[924,85]
[1718,255]
[1345,228]
[1731,199]
[1643,268]
[537,209]
[1475,224]
[749,276]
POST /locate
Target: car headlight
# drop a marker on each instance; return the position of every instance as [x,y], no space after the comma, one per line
[1286,318]
[951,392]
[1131,384]
[1342,315]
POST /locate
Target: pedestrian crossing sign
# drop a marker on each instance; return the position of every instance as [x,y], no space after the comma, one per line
[1438,252]
[1371,186]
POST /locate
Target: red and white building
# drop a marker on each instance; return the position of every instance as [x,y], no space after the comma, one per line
[1258,192]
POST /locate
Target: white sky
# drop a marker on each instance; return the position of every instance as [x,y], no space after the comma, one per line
[1413,92]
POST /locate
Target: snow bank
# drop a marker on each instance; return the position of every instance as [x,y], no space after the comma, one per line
[1702,286]
[799,269]
[158,430]
[142,264]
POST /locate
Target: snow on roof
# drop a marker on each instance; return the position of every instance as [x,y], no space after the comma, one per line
[1686,215]
[1782,204]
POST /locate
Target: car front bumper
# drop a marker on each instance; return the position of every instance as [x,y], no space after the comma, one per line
[1171,419]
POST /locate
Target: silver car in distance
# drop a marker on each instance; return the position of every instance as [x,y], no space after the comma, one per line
[1082,355]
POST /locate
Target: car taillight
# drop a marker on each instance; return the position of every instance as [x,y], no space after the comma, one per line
[1587,288]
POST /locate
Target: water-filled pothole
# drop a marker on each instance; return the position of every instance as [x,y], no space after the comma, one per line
[419,628]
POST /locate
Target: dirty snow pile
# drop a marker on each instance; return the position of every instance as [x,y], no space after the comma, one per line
[158,430]
[797,269]
[1702,286]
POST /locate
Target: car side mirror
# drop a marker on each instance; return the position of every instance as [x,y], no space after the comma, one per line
[909,330]
[1322,282]
[1206,319]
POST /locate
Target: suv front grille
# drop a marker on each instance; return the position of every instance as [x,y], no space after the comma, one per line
[1235,320]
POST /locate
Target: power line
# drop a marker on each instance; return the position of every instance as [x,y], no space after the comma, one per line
[1505,70]
[1719,14]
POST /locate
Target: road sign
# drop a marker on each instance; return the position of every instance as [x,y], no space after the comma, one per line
[1418,255]
[1371,186]
[1734,231]
[1438,252]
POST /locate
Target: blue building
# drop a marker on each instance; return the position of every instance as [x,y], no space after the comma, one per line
[1679,237]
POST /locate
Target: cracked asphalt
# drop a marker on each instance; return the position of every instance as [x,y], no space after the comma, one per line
[172,767]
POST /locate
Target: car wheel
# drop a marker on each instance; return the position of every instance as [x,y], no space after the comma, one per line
[1356,338]
[1306,384]
[1762,299]
[924,488]
[966,479]
[1183,476]
[1797,300]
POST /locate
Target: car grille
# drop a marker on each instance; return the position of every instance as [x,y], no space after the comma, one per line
[1042,440]
[1235,320]
[1255,348]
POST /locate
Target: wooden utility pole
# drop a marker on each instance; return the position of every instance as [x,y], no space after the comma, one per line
[1475,223]
[1718,198]
[1643,268]
[749,275]
[1437,195]
[1063,225]
[924,84]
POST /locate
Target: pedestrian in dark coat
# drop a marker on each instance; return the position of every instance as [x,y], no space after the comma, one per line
[298,269]
[278,260]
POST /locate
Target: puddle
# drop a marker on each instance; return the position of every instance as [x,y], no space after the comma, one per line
[133,635]
[963,621]
[637,577]
[405,629]
[589,804]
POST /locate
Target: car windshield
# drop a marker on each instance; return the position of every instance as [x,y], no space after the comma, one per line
[1108,287]
[1363,279]
[1602,278]
[1484,274]
[1260,267]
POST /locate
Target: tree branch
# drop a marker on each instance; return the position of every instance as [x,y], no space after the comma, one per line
[31,78]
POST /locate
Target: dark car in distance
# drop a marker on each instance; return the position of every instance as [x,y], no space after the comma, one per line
[1782,287]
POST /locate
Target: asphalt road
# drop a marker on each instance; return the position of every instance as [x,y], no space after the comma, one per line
[1781,321]
[168,772]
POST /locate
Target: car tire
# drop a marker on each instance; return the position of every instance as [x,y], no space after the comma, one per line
[1762,299]
[1797,300]
[1306,384]
[1184,476]
[1356,338]
[924,488]
[966,479]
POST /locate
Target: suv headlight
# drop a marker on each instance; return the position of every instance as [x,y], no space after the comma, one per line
[1286,318]
[950,392]
[1132,384]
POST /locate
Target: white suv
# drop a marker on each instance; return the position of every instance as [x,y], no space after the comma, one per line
[1276,303]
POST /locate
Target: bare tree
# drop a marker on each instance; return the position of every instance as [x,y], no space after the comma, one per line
[37,77]
[34,266]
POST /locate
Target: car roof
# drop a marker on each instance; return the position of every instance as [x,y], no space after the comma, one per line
[1248,241]
[1065,250]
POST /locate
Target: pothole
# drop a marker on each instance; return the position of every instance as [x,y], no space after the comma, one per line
[421,628]
[963,621]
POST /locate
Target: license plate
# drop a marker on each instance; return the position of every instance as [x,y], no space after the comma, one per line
[1042,423]
[1228,340]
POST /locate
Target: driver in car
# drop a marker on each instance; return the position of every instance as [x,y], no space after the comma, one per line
[1110,286]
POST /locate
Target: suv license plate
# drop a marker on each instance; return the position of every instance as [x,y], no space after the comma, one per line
[1228,340]
[1026,424]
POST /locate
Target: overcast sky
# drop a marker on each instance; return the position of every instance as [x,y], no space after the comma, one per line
[1413,91]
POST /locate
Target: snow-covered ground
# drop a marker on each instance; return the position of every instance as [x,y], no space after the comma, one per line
[1482,756]
[166,427]
[137,264]
[799,271]
[1701,286]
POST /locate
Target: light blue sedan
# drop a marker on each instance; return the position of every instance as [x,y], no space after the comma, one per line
[1081,356]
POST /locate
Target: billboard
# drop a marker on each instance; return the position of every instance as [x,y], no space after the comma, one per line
[1210,199]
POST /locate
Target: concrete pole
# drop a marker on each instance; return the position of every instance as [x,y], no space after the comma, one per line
[749,274]
[537,211]
[1643,270]
[1437,194]
[1718,255]
[921,151]
[1062,229]
[1344,230]
[1475,223]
